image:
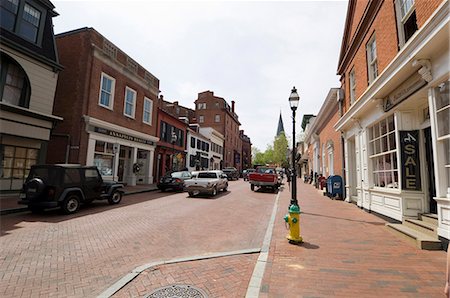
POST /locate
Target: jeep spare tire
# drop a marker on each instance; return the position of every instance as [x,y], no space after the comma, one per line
[115,198]
[35,187]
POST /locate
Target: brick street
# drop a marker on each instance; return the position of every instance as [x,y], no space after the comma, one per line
[347,252]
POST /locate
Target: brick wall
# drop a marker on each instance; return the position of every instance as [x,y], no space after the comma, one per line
[78,88]
[329,134]
[385,29]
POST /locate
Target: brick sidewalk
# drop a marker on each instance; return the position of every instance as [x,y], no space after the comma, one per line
[347,253]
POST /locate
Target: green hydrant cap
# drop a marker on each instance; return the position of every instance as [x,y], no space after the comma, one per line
[294,209]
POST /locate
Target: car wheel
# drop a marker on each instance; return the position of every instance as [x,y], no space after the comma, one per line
[191,193]
[252,187]
[214,191]
[71,204]
[115,198]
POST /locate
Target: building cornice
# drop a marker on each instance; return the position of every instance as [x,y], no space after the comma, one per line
[100,123]
[401,64]
[30,113]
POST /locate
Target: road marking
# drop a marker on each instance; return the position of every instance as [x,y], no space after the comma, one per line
[254,286]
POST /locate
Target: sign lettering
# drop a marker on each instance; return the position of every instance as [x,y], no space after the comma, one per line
[122,136]
[409,147]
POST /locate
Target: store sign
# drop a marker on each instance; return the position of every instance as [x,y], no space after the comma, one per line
[123,136]
[402,92]
[409,148]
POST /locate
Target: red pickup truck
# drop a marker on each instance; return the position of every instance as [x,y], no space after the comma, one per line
[264,177]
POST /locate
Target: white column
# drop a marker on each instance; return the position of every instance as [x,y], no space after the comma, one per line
[116,162]
[132,178]
[90,151]
[151,160]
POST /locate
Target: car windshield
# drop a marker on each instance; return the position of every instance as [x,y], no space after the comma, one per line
[176,174]
[207,175]
[48,175]
[265,170]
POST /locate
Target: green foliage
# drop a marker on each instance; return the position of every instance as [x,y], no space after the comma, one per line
[274,154]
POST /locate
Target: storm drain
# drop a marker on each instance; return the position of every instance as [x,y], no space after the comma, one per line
[177,291]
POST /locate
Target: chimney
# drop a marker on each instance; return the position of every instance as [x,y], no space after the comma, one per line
[232,106]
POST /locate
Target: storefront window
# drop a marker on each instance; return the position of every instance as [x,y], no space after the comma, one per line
[16,162]
[104,157]
[383,154]
[443,125]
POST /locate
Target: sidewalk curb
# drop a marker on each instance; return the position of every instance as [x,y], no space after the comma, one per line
[136,271]
[23,209]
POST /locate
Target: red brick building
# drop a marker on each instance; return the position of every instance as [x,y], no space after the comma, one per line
[215,112]
[322,142]
[246,150]
[108,102]
[394,68]
[170,151]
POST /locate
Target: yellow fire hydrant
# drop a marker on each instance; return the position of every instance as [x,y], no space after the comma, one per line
[293,220]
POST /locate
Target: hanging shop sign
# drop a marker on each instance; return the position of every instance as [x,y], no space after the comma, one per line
[402,92]
[123,136]
[409,148]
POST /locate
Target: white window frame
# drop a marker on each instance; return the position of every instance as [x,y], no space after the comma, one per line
[378,154]
[217,118]
[150,111]
[352,83]
[201,119]
[201,106]
[442,138]
[372,61]
[402,18]
[113,86]
[125,102]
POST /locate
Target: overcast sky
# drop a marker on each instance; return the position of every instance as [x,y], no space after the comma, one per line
[251,52]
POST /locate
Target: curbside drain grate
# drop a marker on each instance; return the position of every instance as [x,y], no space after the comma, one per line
[177,291]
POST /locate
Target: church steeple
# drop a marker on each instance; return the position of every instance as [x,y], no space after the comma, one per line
[280,128]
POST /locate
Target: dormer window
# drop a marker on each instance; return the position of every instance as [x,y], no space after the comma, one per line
[8,13]
[406,20]
[29,27]
[24,18]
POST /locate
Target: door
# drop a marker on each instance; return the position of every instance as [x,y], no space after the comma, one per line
[92,183]
[430,170]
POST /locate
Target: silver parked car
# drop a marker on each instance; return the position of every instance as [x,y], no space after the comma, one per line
[206,182]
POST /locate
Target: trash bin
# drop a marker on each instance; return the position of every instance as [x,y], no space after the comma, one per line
[334,186]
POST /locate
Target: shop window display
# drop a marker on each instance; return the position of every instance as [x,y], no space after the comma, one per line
[383,153]
[16,162]
[104,157]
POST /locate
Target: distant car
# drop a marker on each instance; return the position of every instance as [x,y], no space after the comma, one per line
[207,182]
[247,172]
[67,186]
[174,181]
[232,173]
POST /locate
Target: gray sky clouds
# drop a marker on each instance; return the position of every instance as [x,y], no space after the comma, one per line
[251,52]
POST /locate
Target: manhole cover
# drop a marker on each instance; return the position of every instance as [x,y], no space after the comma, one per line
[177,291]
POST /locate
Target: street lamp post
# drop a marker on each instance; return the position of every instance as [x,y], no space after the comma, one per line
[173,141]
[293,218]
[293,102]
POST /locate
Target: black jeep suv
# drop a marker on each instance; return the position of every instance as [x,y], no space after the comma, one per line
[67,186]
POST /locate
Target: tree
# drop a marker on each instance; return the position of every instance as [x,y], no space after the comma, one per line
[280,149]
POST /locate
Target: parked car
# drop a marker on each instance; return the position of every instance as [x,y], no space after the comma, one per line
[67,186]
[264,177]
[232,173]
[174,180]
[245,173]
[207,182]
